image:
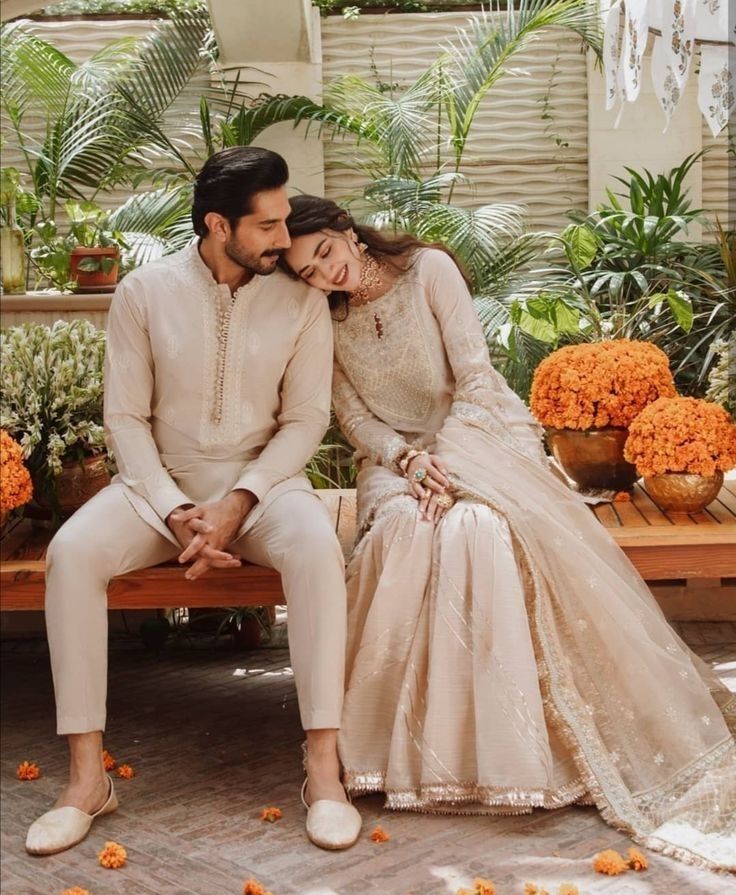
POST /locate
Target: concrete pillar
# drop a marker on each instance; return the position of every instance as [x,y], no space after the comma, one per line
[277,43]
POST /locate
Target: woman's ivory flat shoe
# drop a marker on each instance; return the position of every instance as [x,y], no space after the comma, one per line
[331,825]
[61,828]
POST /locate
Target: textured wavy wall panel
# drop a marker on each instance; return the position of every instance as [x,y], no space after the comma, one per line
[529,139]
[719,179]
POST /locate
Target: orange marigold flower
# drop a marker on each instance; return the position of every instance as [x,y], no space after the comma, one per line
[108,760]
[379,835]
[682,435]
[75,890]
[568,889]
[28,770]
[591,386]
[15,480]
[621,497]
[534,889]
[125,771]
[637,860]
[113,856]
[609,862]
[270,815]
[253,887]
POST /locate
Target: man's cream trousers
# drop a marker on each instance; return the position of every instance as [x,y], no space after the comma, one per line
[106,537]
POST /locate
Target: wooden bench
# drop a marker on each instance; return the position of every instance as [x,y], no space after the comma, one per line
[698,548]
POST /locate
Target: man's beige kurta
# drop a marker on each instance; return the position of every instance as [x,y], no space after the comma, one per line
[207,391]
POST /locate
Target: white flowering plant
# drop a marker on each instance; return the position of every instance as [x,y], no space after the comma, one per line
[722,378]
[52,393]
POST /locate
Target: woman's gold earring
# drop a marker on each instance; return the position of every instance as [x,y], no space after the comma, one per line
[362,247]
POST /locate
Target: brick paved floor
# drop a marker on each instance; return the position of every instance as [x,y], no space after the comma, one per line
[214,736]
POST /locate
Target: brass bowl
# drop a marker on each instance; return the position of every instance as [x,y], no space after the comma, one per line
[593,458]
[678,492]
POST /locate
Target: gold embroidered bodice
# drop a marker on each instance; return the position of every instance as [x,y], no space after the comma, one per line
[415,356]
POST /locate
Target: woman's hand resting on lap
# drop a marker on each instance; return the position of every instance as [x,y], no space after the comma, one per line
[434,484]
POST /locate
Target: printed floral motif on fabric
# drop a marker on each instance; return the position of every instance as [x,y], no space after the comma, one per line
[722,91]
[681,48]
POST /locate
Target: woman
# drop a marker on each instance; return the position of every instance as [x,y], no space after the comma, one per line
[503,654]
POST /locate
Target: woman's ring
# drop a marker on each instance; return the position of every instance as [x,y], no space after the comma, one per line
[420,474]
[446,501]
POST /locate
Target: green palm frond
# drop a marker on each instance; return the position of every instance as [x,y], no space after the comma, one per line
[251,120]
[474,235]
[36,76]
[399,126]
[155,223]
[481,53]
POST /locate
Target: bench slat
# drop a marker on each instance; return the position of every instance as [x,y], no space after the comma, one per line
[660,547]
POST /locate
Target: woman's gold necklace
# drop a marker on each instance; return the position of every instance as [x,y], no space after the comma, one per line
[371,275]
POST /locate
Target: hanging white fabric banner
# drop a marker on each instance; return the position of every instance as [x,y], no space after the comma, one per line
[716,88]
[635,42]
[665,83]
[612,55]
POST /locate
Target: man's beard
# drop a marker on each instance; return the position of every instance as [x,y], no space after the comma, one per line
[258,264]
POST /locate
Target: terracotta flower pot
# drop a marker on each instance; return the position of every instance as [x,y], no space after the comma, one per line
[593,458]
[677,492]
[90,280]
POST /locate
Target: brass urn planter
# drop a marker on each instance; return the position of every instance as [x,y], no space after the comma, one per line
[677,492]
[593,458]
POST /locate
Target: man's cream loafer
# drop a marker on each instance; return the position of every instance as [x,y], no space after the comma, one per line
[61,828]
[332,825]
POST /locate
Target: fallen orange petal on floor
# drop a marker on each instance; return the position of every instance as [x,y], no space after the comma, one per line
[253,887]
[125,771]
[637,860]
[113,856]
[379,835]
[28,770]
[609,862]
[270,815]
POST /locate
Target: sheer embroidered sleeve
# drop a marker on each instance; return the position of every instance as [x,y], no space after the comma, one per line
[368,435]
[482,396]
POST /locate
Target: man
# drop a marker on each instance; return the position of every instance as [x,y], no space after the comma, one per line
[217,393]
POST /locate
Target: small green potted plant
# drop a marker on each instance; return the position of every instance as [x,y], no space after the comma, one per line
[51,393]
[95,259]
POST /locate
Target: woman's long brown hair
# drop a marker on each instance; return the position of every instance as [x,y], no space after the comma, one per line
[310,214]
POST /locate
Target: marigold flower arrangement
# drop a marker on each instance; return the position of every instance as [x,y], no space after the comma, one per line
[593,386]
[15,480]
[682,435]
[28,770]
